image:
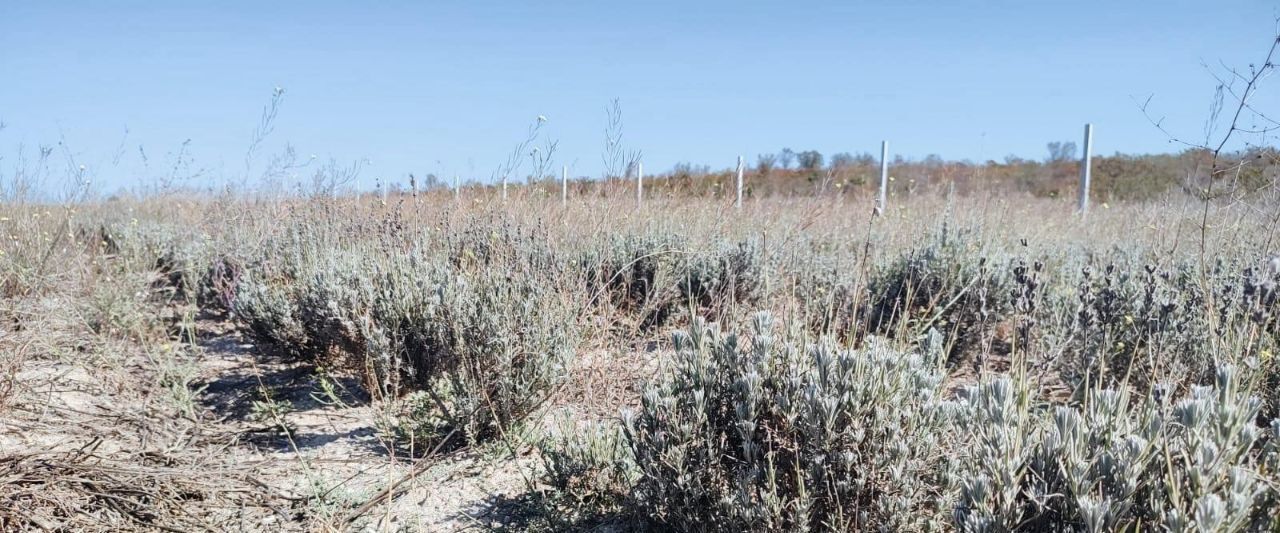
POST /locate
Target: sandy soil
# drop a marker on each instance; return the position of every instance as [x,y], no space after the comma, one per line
[245,470]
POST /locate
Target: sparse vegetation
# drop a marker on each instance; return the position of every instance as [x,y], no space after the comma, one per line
[973,356]
[931,368]
[853,400]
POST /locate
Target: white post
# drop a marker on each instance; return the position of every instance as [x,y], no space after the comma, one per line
[564,185]
[639,184]
[1085,163]
[457,188]
[741,169]
[881,202]
[504,188]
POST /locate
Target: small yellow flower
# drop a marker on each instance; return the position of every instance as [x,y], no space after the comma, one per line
[1128,319]
[1266,354]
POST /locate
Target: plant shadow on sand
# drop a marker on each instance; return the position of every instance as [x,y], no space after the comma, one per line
[243,381]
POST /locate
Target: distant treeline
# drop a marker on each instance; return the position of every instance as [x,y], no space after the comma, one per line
[1114,177]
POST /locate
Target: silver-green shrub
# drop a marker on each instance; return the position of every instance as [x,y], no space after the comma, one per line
[483,343]
[636,274]
[269,313]
[172,254]
[946,284]
[768,434]
[590,468]
[1116,463]
[730,275]
[500,345]
[654,277]
[1143,323]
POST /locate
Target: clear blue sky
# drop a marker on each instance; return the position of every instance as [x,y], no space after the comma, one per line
[450,87]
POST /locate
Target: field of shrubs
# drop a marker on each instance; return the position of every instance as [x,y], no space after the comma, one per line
[984,362]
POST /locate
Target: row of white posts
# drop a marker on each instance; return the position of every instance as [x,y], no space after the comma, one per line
[881,199]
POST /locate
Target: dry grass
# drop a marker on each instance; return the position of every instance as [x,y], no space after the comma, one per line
[107,421]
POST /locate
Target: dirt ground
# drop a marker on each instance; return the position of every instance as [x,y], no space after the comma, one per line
[90,439]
